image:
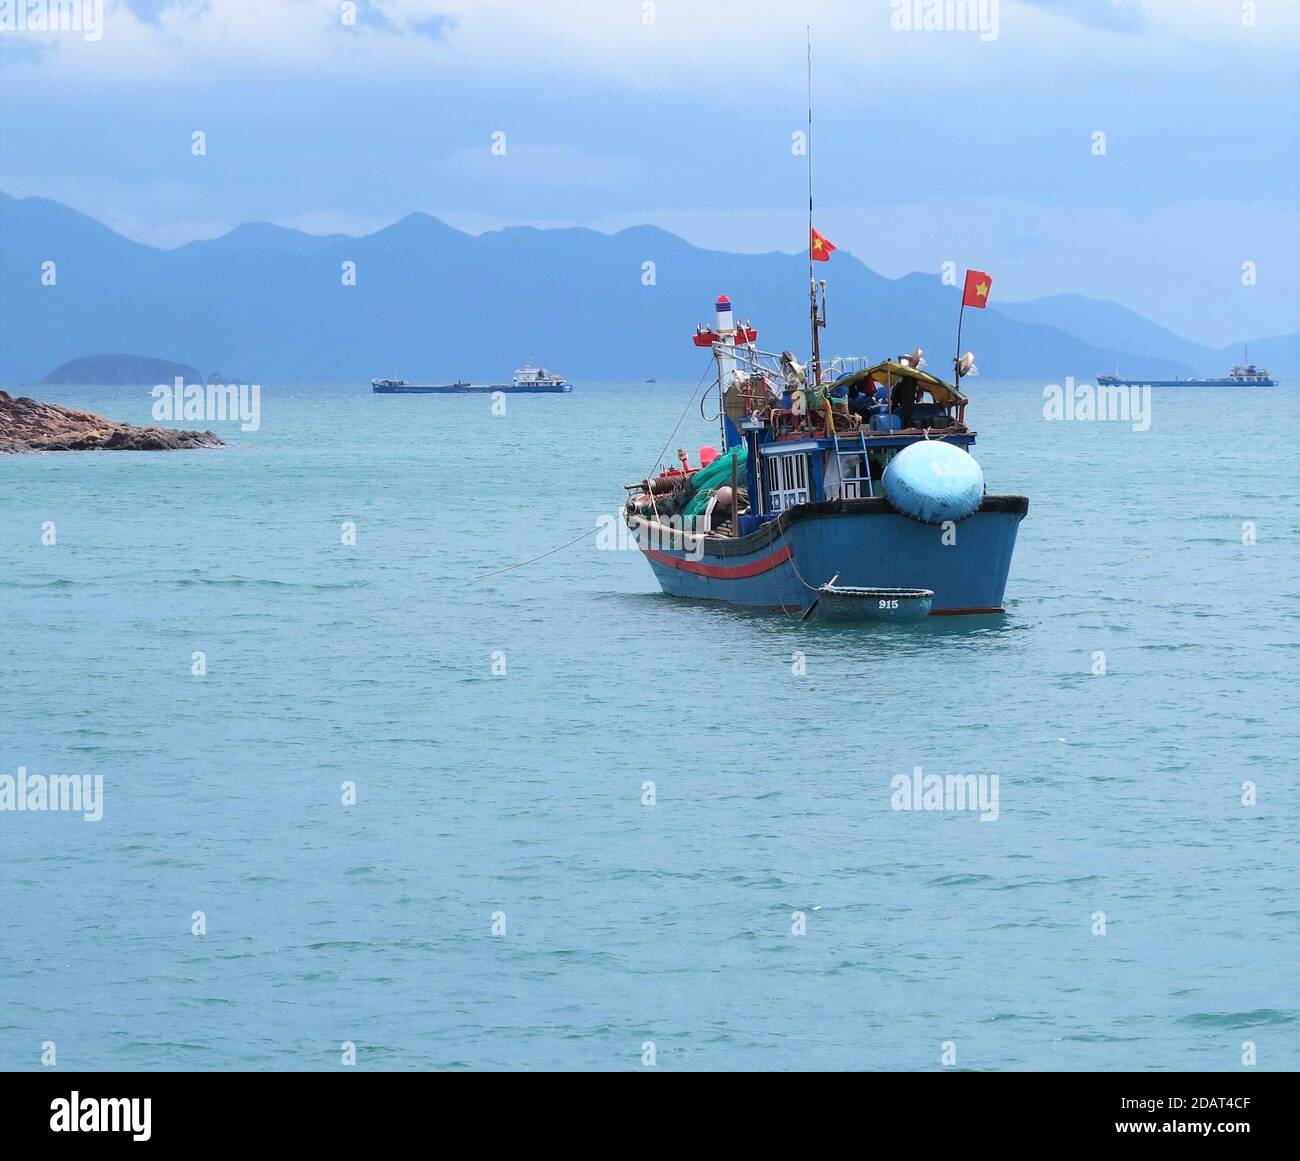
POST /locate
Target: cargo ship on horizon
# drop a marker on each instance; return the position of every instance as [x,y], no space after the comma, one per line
[1244,374]
[528,380]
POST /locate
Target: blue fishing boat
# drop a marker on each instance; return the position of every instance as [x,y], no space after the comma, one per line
[850,485]
[858,479]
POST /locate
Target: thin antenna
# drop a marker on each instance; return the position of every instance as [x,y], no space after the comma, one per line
[812,282]
[808,146]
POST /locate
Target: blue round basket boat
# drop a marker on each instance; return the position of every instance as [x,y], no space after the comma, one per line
[853,603]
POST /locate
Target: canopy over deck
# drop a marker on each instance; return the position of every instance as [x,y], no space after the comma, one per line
[888,373]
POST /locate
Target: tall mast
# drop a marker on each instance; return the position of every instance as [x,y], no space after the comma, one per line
[812,282]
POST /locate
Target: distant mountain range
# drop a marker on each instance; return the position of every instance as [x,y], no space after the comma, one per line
[1109,324]
[433,303]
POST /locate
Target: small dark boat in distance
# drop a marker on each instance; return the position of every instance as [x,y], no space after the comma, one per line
[527,381]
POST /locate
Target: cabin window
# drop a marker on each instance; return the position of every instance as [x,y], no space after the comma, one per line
[787,481]
[880,461]
[844,477]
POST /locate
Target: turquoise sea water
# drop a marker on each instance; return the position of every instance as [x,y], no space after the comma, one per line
[521,792]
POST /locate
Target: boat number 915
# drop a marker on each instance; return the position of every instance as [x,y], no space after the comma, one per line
[886,603]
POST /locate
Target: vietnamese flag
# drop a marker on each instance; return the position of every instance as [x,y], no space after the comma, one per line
[820,248]
[977,289]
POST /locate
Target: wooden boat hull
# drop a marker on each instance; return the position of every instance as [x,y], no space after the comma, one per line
[863,543]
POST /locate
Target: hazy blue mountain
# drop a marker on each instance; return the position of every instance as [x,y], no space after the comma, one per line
[1279,353]
[120,371]
[1109,324]
[1106,324]
[432,303]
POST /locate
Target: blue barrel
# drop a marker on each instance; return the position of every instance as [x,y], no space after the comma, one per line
[933,481]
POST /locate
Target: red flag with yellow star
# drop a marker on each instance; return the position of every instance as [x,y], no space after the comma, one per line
[820,248]
[977,289]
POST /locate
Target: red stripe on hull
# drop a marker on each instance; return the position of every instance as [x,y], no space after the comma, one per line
[722,571]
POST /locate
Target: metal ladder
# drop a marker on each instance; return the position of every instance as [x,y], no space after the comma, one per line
[841,454]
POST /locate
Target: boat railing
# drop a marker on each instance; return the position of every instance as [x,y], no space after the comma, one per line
[751,361]
[843,365]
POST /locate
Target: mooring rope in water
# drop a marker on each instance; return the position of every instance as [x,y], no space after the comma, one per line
[548,552]
[678,424]
[798,574]
[568,543]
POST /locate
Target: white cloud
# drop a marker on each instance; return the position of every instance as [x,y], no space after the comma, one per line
[689,46]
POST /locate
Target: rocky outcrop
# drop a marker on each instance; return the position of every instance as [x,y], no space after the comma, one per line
[29,426]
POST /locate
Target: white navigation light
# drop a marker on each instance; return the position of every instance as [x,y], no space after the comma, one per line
[725,319]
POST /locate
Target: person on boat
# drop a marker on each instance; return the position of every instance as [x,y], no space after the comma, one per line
[862,399]
[902,400]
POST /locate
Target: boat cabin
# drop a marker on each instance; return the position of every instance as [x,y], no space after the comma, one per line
[834,442]
[788,443]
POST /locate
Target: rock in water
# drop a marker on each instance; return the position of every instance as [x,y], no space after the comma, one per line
[29,426]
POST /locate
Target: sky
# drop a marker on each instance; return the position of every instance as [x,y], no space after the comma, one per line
[977,146]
